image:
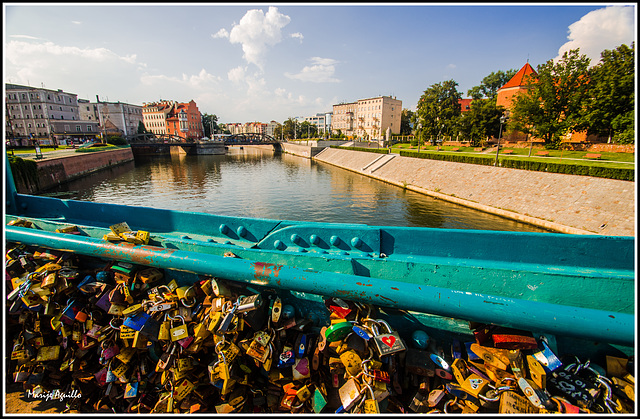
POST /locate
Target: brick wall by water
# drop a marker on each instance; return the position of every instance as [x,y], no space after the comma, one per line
[55,171]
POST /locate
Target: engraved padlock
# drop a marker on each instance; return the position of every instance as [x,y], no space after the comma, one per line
[180,331]
[387,343]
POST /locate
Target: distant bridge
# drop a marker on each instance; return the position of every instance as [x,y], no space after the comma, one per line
[173,140]
[164,144]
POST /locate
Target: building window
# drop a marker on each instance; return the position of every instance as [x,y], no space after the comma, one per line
[89,128]
[78,129]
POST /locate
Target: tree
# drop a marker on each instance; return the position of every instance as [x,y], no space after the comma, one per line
[552,106]
[406,118]
[438,109]
[289,127]
[609,109]
[210,124]
[489,86]
[481,122]
[141,128]
[307,130]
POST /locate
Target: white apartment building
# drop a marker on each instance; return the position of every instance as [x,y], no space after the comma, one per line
[270,128]
[44,116]
[118,117]
[321,120]
[368,118]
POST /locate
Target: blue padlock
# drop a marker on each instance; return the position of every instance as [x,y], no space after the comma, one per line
[286,359]
[137,321]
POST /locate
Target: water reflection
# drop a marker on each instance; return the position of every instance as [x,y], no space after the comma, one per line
[253,183]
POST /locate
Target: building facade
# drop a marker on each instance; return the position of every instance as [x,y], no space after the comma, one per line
[43,116]
[368,118]
[173,118]
[519,84]
[118,118]
[322,121]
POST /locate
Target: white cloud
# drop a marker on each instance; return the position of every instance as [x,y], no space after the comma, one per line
[236,75]
[16,51]
[222,33]
[257,31]
[451,66]
[200,80]
[600,29]
[76,22]
[321,71]
[23,37]
[297,35]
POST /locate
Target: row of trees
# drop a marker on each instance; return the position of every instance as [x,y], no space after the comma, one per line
[567,96]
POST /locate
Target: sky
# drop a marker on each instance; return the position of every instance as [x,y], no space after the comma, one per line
[248,62]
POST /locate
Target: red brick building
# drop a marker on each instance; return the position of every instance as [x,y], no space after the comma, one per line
[519,83]
[173,118]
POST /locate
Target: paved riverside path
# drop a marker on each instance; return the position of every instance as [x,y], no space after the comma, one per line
[559,202]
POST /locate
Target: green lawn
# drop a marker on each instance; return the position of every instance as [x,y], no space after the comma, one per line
[555,155]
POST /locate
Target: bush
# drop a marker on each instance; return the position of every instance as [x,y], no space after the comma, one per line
[539,166]
[116,140]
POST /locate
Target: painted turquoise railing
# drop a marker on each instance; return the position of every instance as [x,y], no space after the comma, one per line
[567,286]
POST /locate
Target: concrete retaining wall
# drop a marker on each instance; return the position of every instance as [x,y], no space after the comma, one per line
[563,203]
[55,171]
[301,150]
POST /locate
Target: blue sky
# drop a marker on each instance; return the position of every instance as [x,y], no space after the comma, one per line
[271,61]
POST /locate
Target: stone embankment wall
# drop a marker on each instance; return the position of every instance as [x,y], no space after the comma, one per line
[55,171]
[562,203]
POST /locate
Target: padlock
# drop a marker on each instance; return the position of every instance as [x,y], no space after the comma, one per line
[20,354]
[275,308]
[48,353]
[419,403]
[442,367]
[537,371]
[349,394]
[352,362]
[512,402]
[338,331]
[576,389]
[497,358]
[387,343]
[149,275]
[178,332]
[301,369]
[371,405]
[126,354]
[140,341]
[22,374]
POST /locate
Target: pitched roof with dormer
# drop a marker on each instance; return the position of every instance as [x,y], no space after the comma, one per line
[522,78]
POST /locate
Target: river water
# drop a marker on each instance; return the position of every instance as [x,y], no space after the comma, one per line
[263,184]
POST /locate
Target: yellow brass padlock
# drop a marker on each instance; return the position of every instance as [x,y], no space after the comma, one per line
[537,372]
[120,370]
[126,355]
[127,332]
[497,358]
[48,353]
[49,281]
[179,332]
[163,332]
[351,361]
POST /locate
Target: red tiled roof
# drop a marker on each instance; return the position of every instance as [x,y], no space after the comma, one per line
[522,77]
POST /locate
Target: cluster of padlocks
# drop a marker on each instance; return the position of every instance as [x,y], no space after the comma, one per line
[125,339]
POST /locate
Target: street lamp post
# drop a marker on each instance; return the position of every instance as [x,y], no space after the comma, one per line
[419,132]
[503,120]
